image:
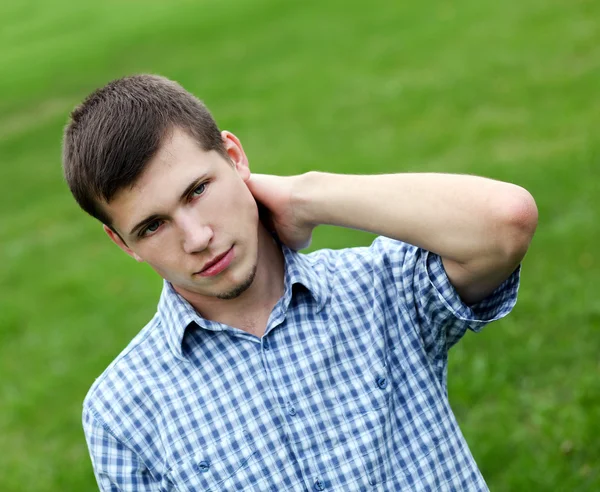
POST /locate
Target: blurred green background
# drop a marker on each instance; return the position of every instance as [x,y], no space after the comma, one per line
[507,90]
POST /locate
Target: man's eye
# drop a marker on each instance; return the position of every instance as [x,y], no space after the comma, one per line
[151,227]
[199,190]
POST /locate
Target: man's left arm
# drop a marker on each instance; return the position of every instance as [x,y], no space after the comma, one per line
[481,228]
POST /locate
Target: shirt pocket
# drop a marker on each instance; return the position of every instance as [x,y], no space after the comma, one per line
[365,412]
[223,466]
[364,391]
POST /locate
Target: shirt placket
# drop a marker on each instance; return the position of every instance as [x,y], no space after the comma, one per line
[291,414]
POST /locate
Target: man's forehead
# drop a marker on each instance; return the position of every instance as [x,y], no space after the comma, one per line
[176,160]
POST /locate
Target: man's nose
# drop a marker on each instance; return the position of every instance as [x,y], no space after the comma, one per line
[196,234]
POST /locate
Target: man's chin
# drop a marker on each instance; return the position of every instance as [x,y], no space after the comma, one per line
[239,289]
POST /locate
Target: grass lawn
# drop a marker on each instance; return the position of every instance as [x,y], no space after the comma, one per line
[507,90]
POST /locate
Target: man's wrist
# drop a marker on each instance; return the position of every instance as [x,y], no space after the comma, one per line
[306,198]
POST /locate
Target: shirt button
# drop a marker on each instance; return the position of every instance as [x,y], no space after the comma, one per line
[203,466]
[265,344]
[319,485]
[291,409]
[381,382]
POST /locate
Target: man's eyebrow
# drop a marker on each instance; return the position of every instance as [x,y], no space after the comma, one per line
[191,187]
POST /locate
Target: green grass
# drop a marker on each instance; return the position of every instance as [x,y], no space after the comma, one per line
[507,90]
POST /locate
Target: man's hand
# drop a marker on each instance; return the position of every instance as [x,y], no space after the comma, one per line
[277,194]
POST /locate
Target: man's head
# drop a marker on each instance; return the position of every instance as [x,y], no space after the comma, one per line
[115,132]
[146,158]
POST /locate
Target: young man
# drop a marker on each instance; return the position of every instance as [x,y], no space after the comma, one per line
[266,369]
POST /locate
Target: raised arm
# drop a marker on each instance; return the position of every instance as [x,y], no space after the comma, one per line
[480,227]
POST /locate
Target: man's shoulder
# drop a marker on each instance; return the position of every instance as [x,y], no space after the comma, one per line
[127,375]
[350,273]
[359,257]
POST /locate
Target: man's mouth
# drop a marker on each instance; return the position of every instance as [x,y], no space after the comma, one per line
[217,264]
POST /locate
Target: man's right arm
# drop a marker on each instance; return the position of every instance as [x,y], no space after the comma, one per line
[116,466]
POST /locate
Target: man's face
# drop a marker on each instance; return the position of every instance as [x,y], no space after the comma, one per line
[189,208]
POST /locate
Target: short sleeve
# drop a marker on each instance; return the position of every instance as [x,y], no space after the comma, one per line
[443,305]
[116,467]
[431,302]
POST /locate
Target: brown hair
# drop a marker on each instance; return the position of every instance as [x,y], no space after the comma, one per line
[114,133]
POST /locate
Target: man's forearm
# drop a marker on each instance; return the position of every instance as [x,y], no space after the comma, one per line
[459,217]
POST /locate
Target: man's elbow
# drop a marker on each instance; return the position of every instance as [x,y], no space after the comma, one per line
[521,219]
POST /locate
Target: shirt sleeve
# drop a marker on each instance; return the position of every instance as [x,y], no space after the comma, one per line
[116,467]
[438,312]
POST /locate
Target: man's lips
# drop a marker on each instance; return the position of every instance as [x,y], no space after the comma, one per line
[217,264]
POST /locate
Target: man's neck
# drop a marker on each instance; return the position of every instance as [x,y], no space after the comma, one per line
[250,311]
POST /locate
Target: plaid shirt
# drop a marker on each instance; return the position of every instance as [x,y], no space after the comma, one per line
[345,391]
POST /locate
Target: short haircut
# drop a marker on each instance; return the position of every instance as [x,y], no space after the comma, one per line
[118,129]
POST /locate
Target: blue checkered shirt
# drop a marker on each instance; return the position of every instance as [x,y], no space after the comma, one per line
[345,391]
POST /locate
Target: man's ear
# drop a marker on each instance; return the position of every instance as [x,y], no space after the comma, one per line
[236,153]
[114,236]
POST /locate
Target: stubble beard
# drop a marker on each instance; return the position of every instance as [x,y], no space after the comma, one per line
[239,289]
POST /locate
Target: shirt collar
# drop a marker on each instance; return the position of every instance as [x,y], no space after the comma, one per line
[303,269]
[177,314]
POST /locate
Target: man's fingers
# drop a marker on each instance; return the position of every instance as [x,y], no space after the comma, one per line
[257,184]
